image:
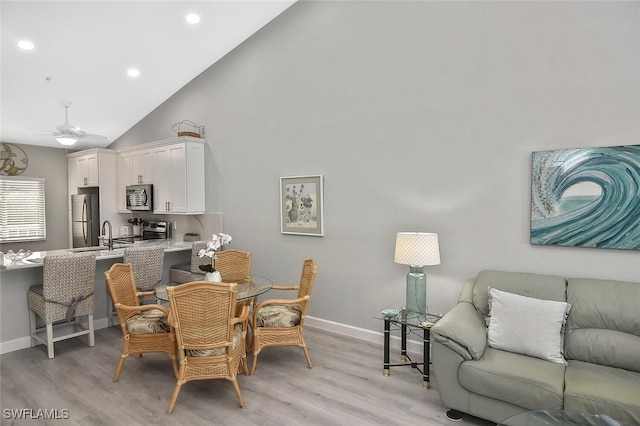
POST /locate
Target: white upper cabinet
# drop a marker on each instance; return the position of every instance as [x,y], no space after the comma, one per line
[87,168]
[179,177]
[174,166]
[133,167]
[86,171]
[123,175]
[142,166]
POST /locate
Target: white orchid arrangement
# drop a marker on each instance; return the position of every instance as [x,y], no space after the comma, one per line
[215,244]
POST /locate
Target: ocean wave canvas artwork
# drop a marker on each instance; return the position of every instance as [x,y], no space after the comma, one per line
[588,197]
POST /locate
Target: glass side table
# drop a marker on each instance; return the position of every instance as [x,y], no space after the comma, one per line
[406,323]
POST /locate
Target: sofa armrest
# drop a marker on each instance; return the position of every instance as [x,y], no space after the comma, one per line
[463,330]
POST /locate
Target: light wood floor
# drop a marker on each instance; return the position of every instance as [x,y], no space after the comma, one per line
[344,387]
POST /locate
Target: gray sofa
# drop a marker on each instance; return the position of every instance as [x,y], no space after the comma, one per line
[600,372]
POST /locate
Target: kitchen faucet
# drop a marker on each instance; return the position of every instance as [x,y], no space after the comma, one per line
[110,242]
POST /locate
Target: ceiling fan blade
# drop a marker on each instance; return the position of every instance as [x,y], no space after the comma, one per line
[93,138]
[47,132]
[66,129]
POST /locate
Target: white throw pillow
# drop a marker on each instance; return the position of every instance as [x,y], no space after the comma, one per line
[527,325]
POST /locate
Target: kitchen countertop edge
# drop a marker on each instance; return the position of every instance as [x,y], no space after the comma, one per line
[35,259]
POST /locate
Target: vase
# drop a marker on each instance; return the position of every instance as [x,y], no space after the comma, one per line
[213,277]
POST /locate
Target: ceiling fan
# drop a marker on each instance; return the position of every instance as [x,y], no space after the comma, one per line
[66,134]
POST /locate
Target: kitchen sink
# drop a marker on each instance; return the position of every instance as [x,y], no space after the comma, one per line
[114,252]
[82,249]
[119,251]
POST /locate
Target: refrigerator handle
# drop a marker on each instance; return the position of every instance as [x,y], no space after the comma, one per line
[84,221]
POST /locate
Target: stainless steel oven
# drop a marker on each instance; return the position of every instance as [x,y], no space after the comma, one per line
[140,197]
[157,231]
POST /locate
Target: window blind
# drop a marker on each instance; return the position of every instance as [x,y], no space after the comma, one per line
[22,209]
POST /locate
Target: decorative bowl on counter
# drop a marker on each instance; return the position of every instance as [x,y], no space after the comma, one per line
[18,256]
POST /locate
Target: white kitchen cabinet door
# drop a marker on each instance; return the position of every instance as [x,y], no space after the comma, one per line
[123,174]
[72,177]
[167,161]
[142,166]
[179,178]
[88,170]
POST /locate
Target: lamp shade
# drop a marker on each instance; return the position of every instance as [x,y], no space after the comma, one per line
[417,249]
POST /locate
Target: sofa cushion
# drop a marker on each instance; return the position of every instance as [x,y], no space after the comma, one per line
[527,325]
[521,380]
[549,287]
[604,324]
[599,389]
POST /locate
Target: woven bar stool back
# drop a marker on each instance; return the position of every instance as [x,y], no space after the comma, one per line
[66,294]
[148,263]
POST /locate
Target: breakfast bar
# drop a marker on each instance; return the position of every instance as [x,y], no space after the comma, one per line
[17,277]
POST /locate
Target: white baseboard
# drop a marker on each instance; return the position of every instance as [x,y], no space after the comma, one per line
[25,342]
[413,346]
[310,322]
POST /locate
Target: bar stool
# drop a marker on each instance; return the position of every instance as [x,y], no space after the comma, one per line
[148,263]
[66,293]
[187,272]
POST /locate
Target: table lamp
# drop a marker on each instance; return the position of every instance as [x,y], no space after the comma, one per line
[417,249]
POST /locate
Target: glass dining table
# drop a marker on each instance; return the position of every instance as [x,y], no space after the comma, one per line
[259,285]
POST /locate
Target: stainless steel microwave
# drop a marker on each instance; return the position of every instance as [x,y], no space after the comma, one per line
[140,197]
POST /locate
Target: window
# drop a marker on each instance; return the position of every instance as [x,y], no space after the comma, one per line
[22,212]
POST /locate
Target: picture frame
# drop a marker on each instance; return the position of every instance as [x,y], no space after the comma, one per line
[586,197]
[302,205]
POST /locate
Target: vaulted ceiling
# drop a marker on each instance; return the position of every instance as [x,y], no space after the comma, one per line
[83,50]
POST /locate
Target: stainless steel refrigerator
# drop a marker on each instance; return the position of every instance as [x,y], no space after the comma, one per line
[85,220]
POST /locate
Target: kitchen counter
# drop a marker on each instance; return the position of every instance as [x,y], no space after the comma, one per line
[36,258]
[16,278]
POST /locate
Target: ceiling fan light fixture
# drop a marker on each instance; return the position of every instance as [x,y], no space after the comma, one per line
[26,45]
[66,140]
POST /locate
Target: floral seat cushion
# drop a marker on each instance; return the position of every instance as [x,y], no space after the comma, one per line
[237,335]
[148,322]
[279,316]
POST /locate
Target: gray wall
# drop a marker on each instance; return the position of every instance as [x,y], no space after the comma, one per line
[421,116]
[50,164]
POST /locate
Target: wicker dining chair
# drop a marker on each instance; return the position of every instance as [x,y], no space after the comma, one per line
[66,293]
[234,266]
[280,322]
[148,263]
[211,335]
[145,328]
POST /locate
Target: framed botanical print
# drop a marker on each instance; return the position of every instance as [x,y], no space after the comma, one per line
[301,205]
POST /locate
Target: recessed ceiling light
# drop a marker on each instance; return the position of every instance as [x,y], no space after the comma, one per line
[26,45]
[132,72]
[192,18]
